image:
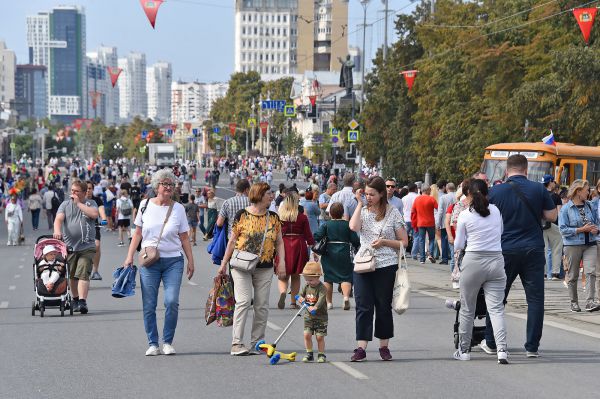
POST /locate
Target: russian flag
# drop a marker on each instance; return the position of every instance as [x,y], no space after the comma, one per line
[549,139]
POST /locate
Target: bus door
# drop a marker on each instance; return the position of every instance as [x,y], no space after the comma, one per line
[570,170]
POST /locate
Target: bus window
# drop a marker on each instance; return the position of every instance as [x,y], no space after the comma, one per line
[593,171]
[537,170]
[578,171]
[495,169]
[564,176]
[573,169]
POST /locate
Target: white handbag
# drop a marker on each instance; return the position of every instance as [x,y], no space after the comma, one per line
[364,261]
[247,261]
[401,295]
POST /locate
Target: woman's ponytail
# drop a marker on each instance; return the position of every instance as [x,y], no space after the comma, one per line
[479,202]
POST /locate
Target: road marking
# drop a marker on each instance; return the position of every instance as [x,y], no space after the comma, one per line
[12,287]
[273,326]
[192,283]
[17,275]
[349,370]
[3,304]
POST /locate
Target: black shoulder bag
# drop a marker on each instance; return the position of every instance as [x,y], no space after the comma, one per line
[540,222]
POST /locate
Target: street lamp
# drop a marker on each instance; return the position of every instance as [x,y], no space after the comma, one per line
[365,4]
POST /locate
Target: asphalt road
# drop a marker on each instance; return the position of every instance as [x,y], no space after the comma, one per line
[101,354]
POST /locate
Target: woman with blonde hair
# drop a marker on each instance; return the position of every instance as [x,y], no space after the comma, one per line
[578,225]
[297,236]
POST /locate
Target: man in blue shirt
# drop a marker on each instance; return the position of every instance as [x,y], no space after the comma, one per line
[523,204]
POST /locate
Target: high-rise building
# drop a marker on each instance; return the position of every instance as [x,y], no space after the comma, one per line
[132,87]
[322,34]
[56,39]
[8,63]
[290,36]
[31,92]
[194,101]
[98,84]
[158,88]
[106,57]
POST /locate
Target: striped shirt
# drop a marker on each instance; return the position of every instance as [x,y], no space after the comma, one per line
[231,207]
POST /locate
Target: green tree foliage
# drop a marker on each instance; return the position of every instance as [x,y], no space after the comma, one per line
[484,69]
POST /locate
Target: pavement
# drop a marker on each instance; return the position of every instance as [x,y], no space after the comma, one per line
[101,354]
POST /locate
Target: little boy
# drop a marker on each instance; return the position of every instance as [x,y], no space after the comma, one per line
[314,293]
[49,268]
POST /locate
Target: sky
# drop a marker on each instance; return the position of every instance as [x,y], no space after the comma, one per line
[196,36]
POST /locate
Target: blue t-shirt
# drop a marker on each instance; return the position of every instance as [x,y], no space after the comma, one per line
[521,231]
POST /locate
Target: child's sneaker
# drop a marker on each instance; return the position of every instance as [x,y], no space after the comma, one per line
[321,358]
[308,357]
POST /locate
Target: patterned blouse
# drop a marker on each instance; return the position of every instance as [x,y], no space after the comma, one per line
[372,230]
[250,228]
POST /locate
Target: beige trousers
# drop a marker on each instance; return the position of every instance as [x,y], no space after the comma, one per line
[248,287]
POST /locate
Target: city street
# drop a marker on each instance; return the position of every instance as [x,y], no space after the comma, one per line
[101,354]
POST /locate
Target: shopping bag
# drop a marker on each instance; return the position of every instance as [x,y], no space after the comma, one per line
[401,295]
[225,302]
[210,310]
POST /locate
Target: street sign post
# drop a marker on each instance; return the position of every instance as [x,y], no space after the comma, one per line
[353,124]
[278,105]
[334,132]
[252,122]
[289,111]
[144,134]
[195,132]
[352,136]
[216,129]
[100,148]
[13,146]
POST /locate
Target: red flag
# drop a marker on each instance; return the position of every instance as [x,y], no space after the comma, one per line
[263,127]
[78,123]
[232,127]
[95,96]
[151,9]
[409,77]
[114,74]
[313,100]
[187,126]
[585,18]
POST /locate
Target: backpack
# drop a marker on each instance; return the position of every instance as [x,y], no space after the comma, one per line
[125,208]
[55,202]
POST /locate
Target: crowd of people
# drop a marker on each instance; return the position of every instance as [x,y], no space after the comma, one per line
[487,236]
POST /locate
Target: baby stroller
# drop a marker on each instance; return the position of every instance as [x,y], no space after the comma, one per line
[60,295]
[480,313]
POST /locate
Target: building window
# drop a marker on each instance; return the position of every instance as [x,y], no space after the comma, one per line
[244,30]
[278,18]
[244,17]
[285,18]
[284,32]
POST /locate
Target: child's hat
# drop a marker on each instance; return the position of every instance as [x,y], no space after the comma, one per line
[312,269]
[48,249]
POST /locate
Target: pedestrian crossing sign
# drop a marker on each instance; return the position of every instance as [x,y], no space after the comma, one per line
[252,122]
[333,132]
[352,136]
[289,111]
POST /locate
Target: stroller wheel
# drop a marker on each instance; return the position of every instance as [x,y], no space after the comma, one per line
[42,310]
[33,308]
[455,341]
[62,308]
[70,308]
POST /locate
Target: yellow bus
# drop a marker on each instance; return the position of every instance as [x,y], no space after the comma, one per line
[565,161]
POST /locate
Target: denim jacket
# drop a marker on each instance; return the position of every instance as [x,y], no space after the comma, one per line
[569,220]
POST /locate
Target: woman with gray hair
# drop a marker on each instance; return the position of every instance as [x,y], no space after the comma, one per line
[162,224]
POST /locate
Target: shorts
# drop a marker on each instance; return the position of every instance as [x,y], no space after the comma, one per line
[80,264]
[315,327]
[193,223]
[123,223]
[98,233]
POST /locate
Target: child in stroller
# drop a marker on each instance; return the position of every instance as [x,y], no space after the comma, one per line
[50,268]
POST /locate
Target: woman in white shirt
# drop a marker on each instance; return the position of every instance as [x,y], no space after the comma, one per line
[169,267]
[13,216]
[124,211]
[479,231]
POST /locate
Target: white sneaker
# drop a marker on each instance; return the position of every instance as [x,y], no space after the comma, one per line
[329,306]
[459,355]
[502,357]
[153,351]
[168,349]
[484,347]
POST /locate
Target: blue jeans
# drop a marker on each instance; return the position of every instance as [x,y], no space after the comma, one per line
[35,218]
[415,248]
[170,271]
[430,231]
[529,265]
[445,249]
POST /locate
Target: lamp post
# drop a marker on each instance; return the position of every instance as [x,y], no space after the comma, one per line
[365,4]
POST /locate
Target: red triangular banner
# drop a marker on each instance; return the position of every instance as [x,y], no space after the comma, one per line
[232,127]
[95,96]
[409,77]
[187,126]
[114,74]
[263,127]
[585,18]
[313,100]
[151,9]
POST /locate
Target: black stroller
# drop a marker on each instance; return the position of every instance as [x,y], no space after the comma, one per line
[480,313]
[60,295]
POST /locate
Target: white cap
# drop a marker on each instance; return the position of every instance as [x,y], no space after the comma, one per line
[48,249]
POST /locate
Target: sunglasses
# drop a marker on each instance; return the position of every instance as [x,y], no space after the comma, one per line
[390,185]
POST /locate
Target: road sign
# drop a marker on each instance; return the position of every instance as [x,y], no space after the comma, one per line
[263,127]
[353,124]
[216,129]
[227,137]
[143,149]
[352,136]
[169,132]
[351,155]
[317,138]
[195,132]
[218,146]
[232,127]
[279,105]
[144,134]
[251,122]
[216,136]
[335,139]
[334,132]
[100,148]
[13,146]
[289,111]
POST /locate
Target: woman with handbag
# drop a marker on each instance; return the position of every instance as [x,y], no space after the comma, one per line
[478,232]
[382,232]
[296,238]
[336,257]
[162,229]
[255,241]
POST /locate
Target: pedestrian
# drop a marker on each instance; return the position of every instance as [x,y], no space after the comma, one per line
[200,200]
[423,219]
[212,213]
[101,220]
[74,224]
[444,202]
[34,203]
[315,318]
[523,204]
[578,226]
[324,199]
[233,205]
[13,216]
[296,238]
[191,211]
[312,211]
[337,259]
[407,202]
[124,211]
[345,193]
[552,238]
[381,229]
[49,206]
[479,232]
[161,223]
[258,231]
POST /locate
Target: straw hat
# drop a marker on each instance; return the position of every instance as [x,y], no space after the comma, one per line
[312,269]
